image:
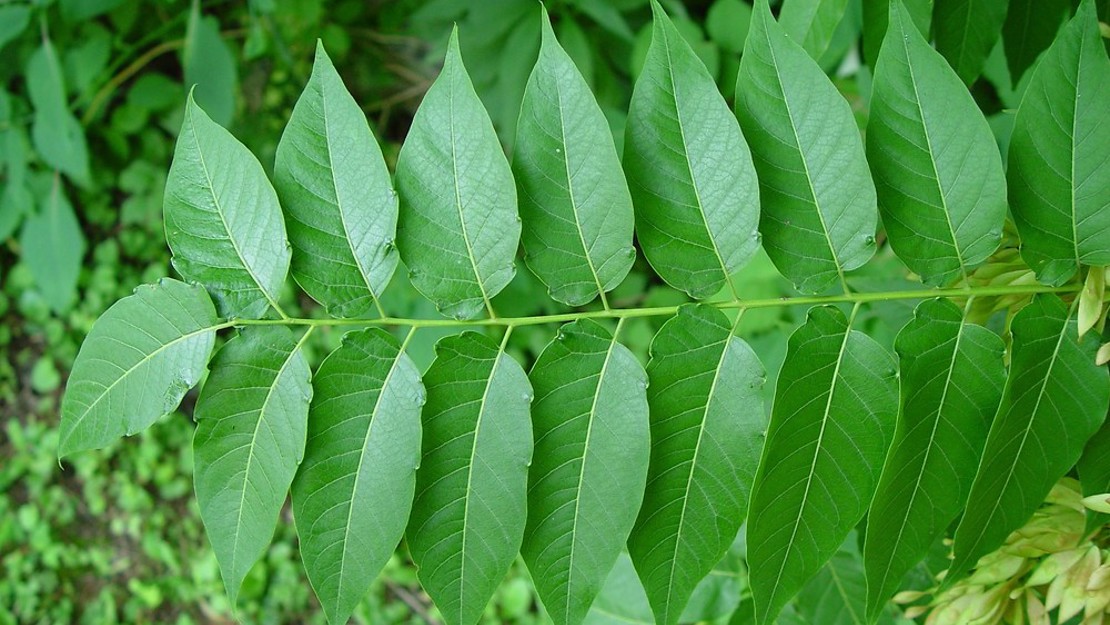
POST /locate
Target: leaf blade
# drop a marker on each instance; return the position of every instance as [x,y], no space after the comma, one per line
[1058,175]
[591,455]
[339,200]
[835,407]
[169,330]
[223,220]
[812,24]
[474,473]
[458,256]
[260,383]
[705,390]
[354,489]
[952,376]
[943,216]
[819,209]
[689,168]
[574,199]
[1017,469]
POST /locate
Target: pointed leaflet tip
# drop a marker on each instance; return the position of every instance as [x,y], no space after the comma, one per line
[547,35]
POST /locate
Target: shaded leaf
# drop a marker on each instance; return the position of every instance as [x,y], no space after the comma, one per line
[833,419]
[1094,471]
[690,171]
[591,460]
[819,213]
[57,135]
[14,19]
[472,488]
[252,416]
[1055,400]
[1058,172]
[353,491]
[136,364]
[458,228]
[1029,29]
[223,221]
[952,376]
[966,32]
[938,172]
[211,70]
[574,200]
[339,200]
[53,246]
[707,425]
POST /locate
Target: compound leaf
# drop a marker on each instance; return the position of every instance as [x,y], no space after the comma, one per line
[811,23]
[458,228]
[966,32]
[1058,172]
[574,200]
[692,179]
[591,460]
[472,488]
[136,364]
[223,221]
[353,492]
[952,377]
[819,213]
[836,404]
[938,172]
[707,425]
[1055,400]
[252,416]
[338,197]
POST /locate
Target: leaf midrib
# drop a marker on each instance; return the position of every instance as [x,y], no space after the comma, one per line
[582,476]
[220,212]
[254,438]
[816,455]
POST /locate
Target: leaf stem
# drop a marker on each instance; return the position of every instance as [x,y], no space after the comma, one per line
[666,311]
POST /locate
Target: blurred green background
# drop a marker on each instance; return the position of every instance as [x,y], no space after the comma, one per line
[91,96]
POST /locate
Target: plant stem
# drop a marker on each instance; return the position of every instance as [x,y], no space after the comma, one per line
[666,311]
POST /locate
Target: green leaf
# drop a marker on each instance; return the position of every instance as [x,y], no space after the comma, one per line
[938,172]
[13,21]
[692,180]
[136,364]
[1058,172]
[211,70]
[472,488]
[966,32]
[223,221]
[354,489]
[1055,400]
[15,199]
[819,214]
[53,246]
[574,199]
[952,377]
[727,23]
[252,416]
[836,595]
[834,415]
[1094,471]
[57,135]
[459,228]
[1030,27]
[876,13]
[811,23]
[707,425]
[338,197]
[591,460]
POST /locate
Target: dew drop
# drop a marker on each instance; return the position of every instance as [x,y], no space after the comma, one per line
[869,240]
[527,397]
[558,150]
[630,252]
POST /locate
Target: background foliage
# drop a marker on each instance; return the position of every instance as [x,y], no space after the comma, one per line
[91,97]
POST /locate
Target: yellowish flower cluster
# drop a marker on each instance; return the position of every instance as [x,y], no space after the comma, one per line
[1049,571]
